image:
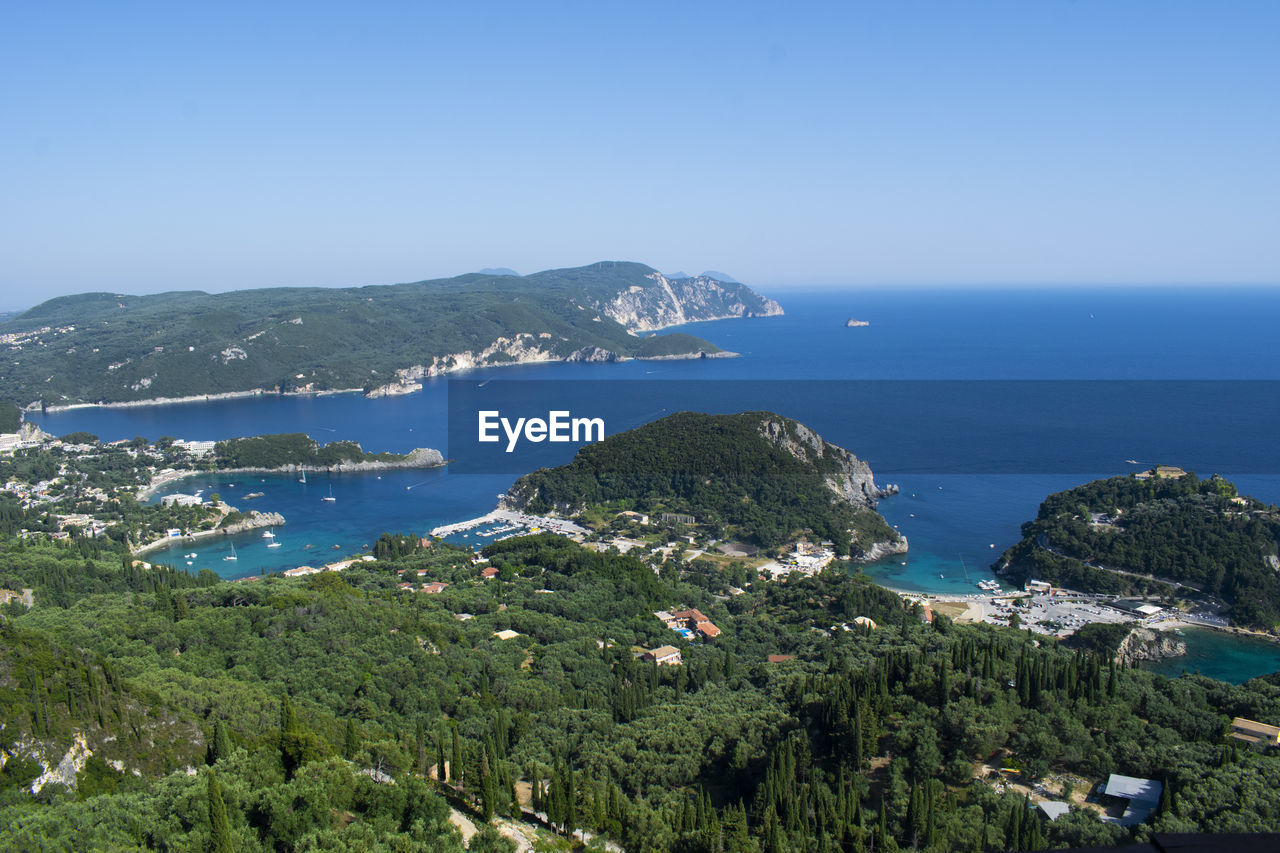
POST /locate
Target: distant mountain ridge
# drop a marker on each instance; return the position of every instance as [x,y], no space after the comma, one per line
[112,348]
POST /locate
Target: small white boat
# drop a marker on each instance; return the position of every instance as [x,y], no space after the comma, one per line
[273,544]
[232,556]
[191,556]
[329,498]
[267,534]
[303,478]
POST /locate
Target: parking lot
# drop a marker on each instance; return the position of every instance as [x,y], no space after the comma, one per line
[1055,615]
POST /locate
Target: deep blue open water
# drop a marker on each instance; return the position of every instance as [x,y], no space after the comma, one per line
[951,518]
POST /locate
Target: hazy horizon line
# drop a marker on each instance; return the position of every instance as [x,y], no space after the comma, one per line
[783,287]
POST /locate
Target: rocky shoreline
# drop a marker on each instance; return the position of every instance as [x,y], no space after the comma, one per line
[409,381]
[522,349]
[1147,644]
[880,550]
[253,520]
[195,398]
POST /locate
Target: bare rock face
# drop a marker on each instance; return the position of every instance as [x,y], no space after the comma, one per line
[852,480]
[671,302]
[592,355]
[1146,644]
[254,520]
[880,550]
[64,772]
[421,457]
[522,348]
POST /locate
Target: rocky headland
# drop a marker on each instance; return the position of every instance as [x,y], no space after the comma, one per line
[1147,644]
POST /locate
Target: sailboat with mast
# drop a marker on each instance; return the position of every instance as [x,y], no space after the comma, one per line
[232,556]
[329,498]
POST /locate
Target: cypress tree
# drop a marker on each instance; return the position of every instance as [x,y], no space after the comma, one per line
[421,744]
[219,831]
[219,744]
[487,789]
[1013,829]
[350,741]
[455,765]
[570,800]
[555,801]
[164,605]
[440,756]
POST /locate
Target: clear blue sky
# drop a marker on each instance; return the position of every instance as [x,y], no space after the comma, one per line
[148,146]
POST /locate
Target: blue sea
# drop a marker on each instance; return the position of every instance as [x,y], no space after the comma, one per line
[956,521]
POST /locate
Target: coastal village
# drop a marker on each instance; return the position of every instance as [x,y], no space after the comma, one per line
[77,488]
[1038,607]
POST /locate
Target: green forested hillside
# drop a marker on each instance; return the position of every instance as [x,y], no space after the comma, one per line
[294,448]
[10,417]
[1199,533]
[724,471]
[311,714]
[104,347]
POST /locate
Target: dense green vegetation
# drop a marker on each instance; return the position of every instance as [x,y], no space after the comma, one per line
[1102,638]
[105,347]
[10,417]
[722,470]
[293,448]
[293,702]
[1198,533]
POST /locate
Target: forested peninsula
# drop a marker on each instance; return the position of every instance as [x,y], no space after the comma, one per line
[113,348]
[298,451]
[1165,533]
[755,476]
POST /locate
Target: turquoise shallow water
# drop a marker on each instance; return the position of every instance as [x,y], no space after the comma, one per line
[365,505]
[1220,655]
[952,521]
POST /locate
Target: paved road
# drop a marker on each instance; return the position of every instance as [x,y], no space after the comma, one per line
[1042,542]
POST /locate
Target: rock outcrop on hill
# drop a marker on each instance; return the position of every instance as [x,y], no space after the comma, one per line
[673,302]
[1146,644]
